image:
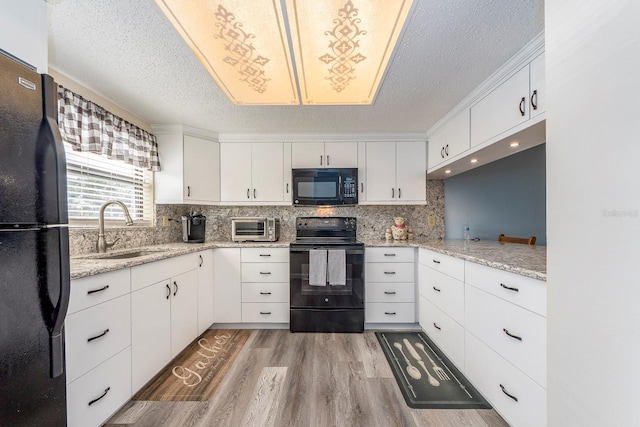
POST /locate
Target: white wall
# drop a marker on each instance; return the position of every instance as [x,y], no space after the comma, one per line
[593,219]
[23,31]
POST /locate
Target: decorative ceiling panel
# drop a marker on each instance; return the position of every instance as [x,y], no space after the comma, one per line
[243,45]
[342,47]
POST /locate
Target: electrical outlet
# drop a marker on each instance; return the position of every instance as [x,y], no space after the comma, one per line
[431,220]
[165,221]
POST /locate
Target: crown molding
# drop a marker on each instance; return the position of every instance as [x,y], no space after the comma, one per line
[525,55]
[171,129]
[321,137]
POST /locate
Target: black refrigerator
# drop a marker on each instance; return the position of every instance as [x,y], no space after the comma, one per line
[34,250]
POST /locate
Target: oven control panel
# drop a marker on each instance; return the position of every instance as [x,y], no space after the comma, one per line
[328,223]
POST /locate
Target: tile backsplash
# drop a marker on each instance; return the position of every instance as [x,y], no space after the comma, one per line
[372,221]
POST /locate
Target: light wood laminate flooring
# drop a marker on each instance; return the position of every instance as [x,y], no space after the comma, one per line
[304,379]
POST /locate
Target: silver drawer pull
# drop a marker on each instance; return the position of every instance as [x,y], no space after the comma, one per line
[509,288]
[106,331]
[265,254]
[390,313]
[436,326]
[511,335]
[389,272]
[510,395]
[265,293]
[389,254]
[265,272]
[106,390]
[389,292]
[265,312]
[436,261]
[94,291]
[436,289]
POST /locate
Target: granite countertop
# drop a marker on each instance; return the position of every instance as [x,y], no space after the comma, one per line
[525,260]
[529,261]
[90,264]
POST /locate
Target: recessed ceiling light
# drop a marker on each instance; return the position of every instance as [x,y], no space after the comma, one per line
[474,160]
[514,144]
[447,171]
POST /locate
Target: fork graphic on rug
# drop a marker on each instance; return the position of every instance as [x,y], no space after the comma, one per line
[441,373]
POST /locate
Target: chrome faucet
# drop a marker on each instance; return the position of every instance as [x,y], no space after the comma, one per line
[102,244]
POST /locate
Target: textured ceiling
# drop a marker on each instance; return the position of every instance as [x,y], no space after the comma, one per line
[128,52]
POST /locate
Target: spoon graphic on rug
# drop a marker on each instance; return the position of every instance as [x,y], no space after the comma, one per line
[411,370]
[434,382]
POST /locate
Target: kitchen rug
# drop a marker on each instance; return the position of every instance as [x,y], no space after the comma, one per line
[427,379]
[198,370]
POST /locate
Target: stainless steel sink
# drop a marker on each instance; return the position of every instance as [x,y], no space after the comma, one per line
[123,255]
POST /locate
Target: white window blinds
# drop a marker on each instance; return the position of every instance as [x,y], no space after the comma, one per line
[93,179]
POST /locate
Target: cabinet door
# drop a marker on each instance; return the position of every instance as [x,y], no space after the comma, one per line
[450,141]
[201,165]
[150,332]
[341,154]
[267,172]
[227,290]
[235,172]
[184,310]
[205,290]
[307,155]
[502,109]
[411,171]
[381,171]
[537,85]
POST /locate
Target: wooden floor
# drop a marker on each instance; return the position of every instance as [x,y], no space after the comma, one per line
[299,379]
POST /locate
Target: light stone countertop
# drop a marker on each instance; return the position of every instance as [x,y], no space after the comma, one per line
[529,261]
[525,260]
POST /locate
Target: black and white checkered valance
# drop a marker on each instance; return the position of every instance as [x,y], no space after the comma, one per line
[88,127]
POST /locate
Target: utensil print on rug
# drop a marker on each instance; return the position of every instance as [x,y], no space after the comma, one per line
[437,369]
[411,370]
[434,382]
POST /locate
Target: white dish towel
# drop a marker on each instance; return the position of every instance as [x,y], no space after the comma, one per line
[337,267]
[317,267]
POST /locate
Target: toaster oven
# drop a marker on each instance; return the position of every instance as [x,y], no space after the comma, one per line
[255,229]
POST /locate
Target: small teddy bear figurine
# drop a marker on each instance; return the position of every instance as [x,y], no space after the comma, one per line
[399,229]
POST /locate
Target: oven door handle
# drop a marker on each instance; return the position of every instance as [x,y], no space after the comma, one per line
[349,251]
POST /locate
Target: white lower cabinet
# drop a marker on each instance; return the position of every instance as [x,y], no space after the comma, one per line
[443,330]
[265,285]
[205,290]
[227,286]
[96,395]
[519,399]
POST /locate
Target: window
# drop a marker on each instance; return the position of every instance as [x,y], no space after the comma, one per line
[93,179]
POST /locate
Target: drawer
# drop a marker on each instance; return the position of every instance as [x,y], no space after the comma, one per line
[389,254]
[491,319]
[265,272]
[488,371]
[265,292]
[148,274]
[114,375]
[443,291]
[446,264]
[443,330]
[390,312]
[97,289]
[265,312]
[523,291]
[388,272]
[96,334]
[389,292]
[265,255]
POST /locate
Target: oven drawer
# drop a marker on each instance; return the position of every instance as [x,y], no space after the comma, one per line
[265,292]
[265,255]
[386,272]
[390,292]
[265,272]
[265,312]
[389,255]
[394,312]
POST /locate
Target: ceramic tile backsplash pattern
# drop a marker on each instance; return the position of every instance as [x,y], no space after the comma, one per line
[372,222]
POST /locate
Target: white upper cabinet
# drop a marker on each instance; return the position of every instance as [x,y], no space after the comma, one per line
[324,155]
[395,173]
[452,140]
[253,172]
[190,170]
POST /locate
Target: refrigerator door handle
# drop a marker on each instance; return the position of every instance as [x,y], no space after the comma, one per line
[56,341]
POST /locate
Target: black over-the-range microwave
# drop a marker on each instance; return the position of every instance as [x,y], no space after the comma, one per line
[328,187]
